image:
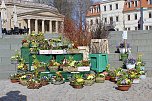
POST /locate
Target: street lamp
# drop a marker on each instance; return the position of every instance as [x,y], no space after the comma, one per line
[141,16]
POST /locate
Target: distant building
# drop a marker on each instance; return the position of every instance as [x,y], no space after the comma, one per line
[93,16]
[112,13]
[123,14]
[132,14]
[37,17]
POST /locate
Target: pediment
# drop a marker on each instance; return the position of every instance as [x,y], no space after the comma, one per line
[42,13]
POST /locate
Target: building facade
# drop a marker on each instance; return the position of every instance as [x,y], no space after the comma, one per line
[37,17]
[125,14]
[112,13]
[93,16]
[132,14]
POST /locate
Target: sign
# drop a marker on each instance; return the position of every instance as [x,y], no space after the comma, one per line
[124,35]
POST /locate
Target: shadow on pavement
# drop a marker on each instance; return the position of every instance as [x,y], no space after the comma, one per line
[13,96]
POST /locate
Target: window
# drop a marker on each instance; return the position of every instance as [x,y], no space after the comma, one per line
[136,3]
[129,4]
[116,6]
[150,27]
[111,20]
[110,7]
[146,27]
[98,8]
[128,28]
[91,22]
[136,28]
[117,18]
[105,19]
[91,10]
[135,16]
[149,1]
[150,15]
[128,17]
[104,8]
[97,21]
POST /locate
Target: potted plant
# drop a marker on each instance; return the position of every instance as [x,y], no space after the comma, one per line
[34,83]
[14,78]
[44,80]
[77,82]
[140,63]
[134,75]
[124,82]
[58,79]
[42,67]
[90,78]
[24,79]
[15,59]
[100,78]
[122,49]
[53,65]
[25,43]
[130,63]
[107,72]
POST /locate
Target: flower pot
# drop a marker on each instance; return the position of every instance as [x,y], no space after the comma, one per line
[142,77]
[53,68]
[99,80]
[41,69]
[136,81]
[44,83]
[122,50]
[123,57]
[57,82]
[107,77]
[113,79]
[130,66]
[23,82]
[88,82]
[77,86]
[14,61]
[25,44]
[123,87]
[142,68]
[14,80]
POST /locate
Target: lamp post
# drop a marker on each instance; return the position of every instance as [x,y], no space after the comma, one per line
[1,35]
[141,16]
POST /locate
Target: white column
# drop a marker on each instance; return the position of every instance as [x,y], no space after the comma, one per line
[36,26]
[50,25]
[62,26]
[29,26]
[42,26]
[56,26]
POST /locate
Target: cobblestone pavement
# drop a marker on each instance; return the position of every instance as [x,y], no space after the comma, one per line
[97,92]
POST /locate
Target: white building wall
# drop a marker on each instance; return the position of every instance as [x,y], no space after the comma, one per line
[134,23]
[93,18]
[113,13]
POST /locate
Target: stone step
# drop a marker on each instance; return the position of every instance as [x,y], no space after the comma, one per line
[6,52]
[116,64]
[6,74]
[7,67]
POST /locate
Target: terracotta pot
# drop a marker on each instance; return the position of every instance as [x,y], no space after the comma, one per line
[57,82]
[14,80]
[113,79]
[88,82]
[107,77]
[44,83]
[99,80]
[124,87]
[23,82]
[77,86]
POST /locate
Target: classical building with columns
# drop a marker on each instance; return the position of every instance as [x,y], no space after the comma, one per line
[37,17]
